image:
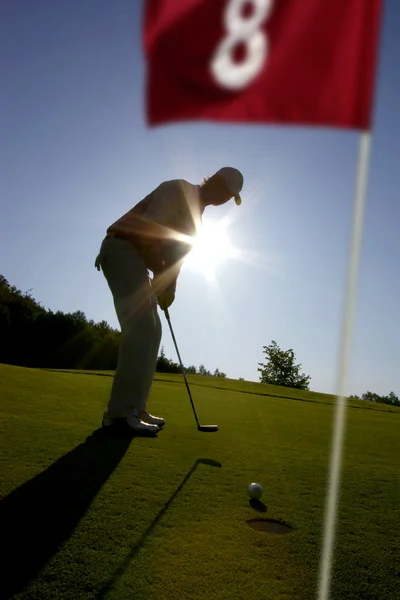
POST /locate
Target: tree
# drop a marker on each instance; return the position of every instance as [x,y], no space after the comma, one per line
[218,373]
[370,396]
[391,398]
[280,368]
[165,365]
[162,362]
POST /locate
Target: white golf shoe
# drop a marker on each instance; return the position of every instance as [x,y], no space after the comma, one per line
[134,423]
[151,419]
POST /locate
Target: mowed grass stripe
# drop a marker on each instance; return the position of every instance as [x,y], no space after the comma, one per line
[253,388]
[114,519]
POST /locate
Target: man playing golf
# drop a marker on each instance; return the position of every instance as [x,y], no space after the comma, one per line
[154,236]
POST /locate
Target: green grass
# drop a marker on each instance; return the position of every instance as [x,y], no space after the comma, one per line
[85,515]
[246,387]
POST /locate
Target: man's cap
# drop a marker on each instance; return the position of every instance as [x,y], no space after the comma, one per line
[234,181]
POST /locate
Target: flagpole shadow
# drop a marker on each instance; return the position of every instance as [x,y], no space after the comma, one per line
[138,546]
[40,515]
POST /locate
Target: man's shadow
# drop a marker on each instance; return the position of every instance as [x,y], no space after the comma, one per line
[37,517]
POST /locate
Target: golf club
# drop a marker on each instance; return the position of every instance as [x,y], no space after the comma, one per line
[204,428]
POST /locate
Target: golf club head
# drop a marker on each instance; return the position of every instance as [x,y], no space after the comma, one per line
[207,428]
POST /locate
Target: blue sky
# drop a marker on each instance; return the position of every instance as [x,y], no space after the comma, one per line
[78,155]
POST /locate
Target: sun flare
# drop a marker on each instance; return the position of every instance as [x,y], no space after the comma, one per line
[211,247]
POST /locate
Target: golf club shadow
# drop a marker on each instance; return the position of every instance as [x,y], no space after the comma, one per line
[40,515]
[138,546]
[258,505]
[272,526]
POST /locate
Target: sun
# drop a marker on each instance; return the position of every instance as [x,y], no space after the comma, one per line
[211,247]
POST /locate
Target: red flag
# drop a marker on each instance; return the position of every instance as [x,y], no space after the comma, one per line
[262,61]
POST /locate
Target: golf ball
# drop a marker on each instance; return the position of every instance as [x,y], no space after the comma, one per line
[255,491]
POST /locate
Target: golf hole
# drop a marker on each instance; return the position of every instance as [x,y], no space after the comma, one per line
[271,526]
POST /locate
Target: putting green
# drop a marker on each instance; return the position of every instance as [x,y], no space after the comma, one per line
[88,515]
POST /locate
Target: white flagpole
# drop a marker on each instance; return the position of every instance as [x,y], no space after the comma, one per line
[332,498]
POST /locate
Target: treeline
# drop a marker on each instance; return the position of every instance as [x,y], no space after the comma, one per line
[32,336]
[391,398]
[165,365]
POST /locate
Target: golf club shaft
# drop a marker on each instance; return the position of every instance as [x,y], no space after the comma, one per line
[181,364]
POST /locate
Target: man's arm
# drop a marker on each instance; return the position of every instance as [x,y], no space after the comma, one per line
[137,227]
[164,284]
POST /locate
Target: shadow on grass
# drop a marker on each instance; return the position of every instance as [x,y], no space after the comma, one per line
[40,515]
[138,546]
[258,505]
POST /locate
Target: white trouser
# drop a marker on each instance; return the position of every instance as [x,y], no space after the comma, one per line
[136,307]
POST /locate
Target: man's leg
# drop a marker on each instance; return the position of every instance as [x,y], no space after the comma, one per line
[129,283]
[152,367]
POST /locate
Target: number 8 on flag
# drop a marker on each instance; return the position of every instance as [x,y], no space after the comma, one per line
[233,74]
[278,61]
